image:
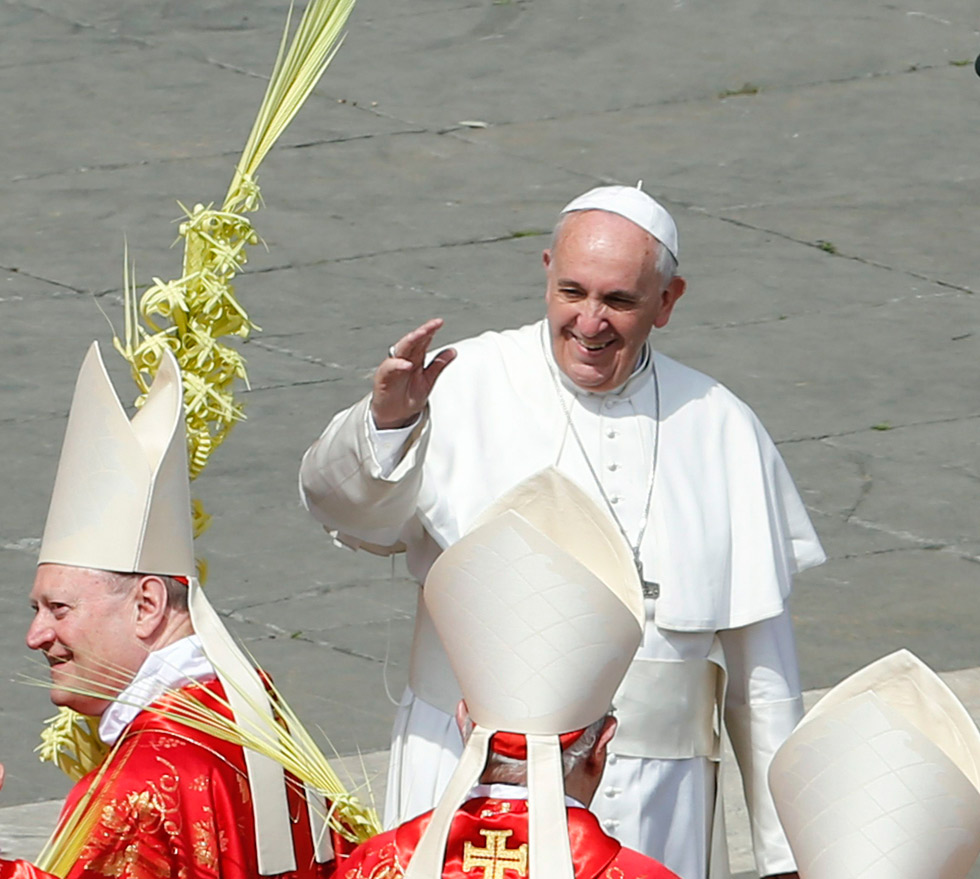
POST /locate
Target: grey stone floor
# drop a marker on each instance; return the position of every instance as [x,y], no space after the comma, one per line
[820,159]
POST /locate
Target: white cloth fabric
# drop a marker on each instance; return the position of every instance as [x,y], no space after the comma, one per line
[427,739]
[170,668]
[721,563]
[500,791]
[727,531]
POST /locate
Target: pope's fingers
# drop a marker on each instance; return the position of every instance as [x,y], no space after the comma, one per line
[393,370]
[1,775]
[401,389]
[413,346]
[438,364]
[442,359]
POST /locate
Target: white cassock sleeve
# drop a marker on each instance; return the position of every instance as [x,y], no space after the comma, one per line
[764,703]
[389,445]
[361,484]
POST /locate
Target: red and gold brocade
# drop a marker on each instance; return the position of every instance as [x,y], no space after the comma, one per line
[175,803]
[488,840]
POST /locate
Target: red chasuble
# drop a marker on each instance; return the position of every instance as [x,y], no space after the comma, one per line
[175,803]
[488,840]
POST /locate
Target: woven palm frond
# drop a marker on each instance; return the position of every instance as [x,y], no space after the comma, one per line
[193,314]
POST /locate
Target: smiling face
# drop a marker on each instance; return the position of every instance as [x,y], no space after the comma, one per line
[604,296]
[87,631]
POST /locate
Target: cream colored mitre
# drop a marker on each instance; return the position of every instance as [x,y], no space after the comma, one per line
[540,610]
[881,780]
[121,499]
[121,503]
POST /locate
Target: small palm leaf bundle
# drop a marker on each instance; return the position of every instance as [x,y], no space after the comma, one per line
[71,741]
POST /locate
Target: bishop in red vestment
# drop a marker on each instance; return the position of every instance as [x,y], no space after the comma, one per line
[174,802]
[123,623]
[490,835]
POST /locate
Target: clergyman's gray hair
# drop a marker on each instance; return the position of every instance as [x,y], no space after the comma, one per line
[508,770]
[176,591]
[665,267]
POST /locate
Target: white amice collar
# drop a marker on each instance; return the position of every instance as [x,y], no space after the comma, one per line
[499,791]
[169,668]
[638,377]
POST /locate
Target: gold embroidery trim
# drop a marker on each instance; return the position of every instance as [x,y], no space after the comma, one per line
[496,857]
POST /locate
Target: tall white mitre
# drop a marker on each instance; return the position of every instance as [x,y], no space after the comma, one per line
[540,610]
[881,780]
[121,503]
[121,499]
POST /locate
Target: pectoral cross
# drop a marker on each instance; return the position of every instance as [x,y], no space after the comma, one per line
[650,588]
[496,857]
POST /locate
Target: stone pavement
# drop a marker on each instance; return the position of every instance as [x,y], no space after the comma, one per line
[820,160]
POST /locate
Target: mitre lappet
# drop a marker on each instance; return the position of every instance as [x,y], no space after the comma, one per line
[121,503]
[881,780]
[540,609]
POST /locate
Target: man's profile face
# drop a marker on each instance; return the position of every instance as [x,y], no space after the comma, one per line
[86,631]
[603,297]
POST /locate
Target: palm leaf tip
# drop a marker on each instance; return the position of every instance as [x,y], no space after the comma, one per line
[297,70]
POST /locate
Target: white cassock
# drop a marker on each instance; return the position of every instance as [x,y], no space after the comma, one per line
[727,530]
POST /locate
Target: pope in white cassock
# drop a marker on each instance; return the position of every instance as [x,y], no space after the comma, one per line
[693,480]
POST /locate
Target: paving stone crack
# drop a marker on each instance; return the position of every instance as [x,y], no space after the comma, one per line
[15,270]
[266,345]
[257,389]
[867,483]
[919,543]
[930,543]
[816,245]
[859,430]
[27,419]
[186,54]
[962,470]
[418,13]
[851,556]
[842,308]
[713,97]
[410,248]
[41,62]
[315,592]
[238,617]
[167,160]
[85,25]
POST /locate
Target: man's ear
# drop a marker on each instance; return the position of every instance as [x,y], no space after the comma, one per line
[668,299]
[598,755]
[151,605]
[546,258]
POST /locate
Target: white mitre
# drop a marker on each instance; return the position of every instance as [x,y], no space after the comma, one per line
[121,503]
[540,610]
[121,499]
[881,780]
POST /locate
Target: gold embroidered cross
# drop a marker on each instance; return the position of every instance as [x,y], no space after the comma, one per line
[496,857]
